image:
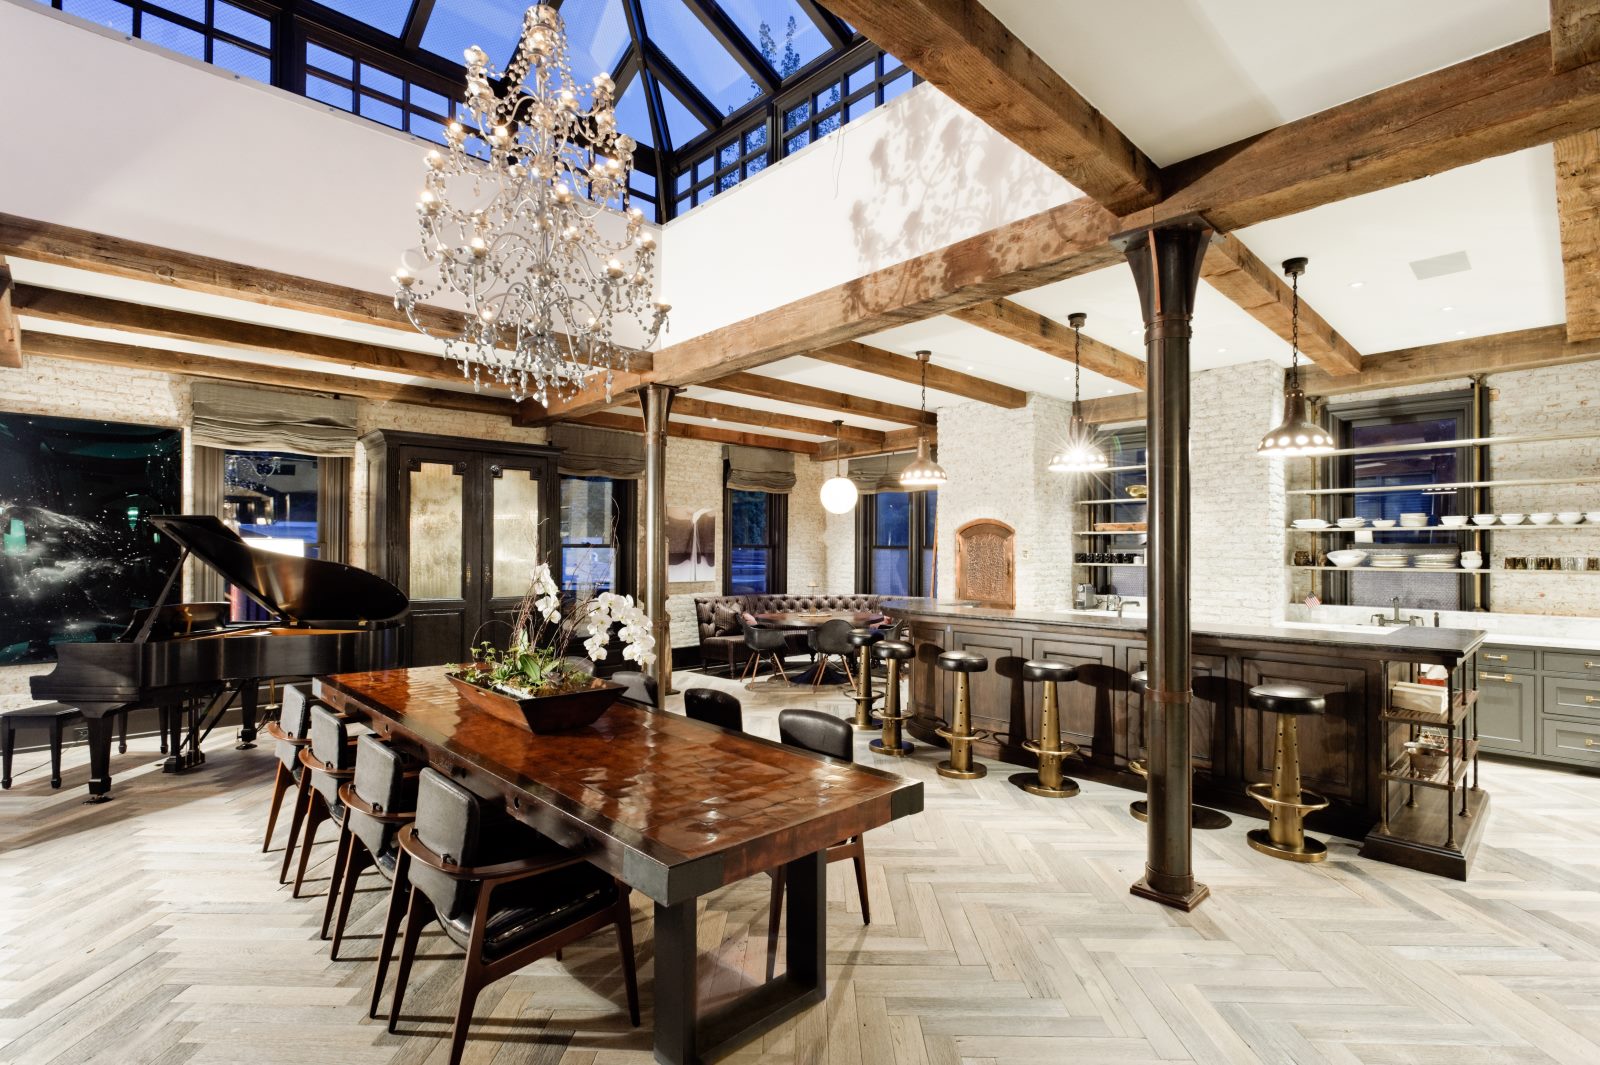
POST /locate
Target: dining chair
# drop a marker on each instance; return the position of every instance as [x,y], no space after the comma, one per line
[503,893]
[289,732]
[824,734]
[714,708]
[829,641]
[378,800]
[329,761]
[638,687]
[763,642]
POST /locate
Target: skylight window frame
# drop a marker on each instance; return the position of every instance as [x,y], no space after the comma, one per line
[209,32]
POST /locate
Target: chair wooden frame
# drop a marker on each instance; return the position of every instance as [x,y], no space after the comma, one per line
[354,858]
[856,851]
[282,781]
[479,972]
[311,809]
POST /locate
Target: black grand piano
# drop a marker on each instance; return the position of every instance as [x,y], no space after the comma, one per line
[189,661]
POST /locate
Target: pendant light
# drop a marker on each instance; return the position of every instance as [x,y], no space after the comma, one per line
[838,492]
[923,471]
[1298,435]
[1081,452]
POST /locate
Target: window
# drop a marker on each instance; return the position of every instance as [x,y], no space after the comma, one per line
[274,500]
[597,523]
[896,534]
[1123,448]
[360,86]
[756,543]
[1400,482]
[232,36]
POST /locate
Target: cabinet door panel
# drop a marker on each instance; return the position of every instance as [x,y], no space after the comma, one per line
[436,556]
[1088,704]
[1333,745]
[1506,711]
[1572,697]
[1208,711]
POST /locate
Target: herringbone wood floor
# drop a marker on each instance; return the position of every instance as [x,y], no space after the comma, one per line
[152,929]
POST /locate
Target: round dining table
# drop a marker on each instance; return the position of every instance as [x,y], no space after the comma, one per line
[802,620]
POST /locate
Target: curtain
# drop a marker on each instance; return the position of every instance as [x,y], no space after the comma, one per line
[254,419]
[588,452]
[333,508]
[759,469]
[205,583]
[879,473]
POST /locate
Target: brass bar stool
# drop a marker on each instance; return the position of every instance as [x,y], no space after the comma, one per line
[1286,802]
[864,640]
[892,742]
[1199,816]
[1049,747]
[959,765]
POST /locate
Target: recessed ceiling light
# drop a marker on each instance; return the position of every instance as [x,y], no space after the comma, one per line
[1135,332]
[1461,332]
[1447,307]
[1222,351]
[1357,284]
[969,369]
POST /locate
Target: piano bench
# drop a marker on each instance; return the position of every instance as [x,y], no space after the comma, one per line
[53,716]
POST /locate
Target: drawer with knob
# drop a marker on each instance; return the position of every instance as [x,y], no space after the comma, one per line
[1570,741]
[1571,697]
[1507,659]
[1578,663]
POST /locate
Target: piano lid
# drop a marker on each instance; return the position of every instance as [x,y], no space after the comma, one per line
[302,591]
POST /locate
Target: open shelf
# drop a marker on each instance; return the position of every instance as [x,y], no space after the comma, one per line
[1460,569]
[1108,502]
[1400,770]
[1524,527]
[1524,482]
[1120,532]
[1111,565]
[1448,445]
[1463,704]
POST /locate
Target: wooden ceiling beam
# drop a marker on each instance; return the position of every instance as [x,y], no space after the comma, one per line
[10,332]
[750,384]
[110,353]
[608,420]
[1575,42]
[968,53]
[893,443]
[77,309]
[1015,322]
[766,419]
[899,368]
[1574,34]
[1235,271]
[46,242]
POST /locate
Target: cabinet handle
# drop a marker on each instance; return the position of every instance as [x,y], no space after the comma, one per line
[1496,676]
[1497,658]
[1588,665]
[1591,742]
[1591,700]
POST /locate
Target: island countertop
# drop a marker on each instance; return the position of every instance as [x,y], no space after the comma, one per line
[1448,646]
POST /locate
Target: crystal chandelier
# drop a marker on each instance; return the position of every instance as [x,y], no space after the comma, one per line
[923,472]
[1298,435]
[1081,452]
[512,221]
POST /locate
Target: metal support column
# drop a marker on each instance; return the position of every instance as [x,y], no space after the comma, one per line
[1166,267]
[656,400]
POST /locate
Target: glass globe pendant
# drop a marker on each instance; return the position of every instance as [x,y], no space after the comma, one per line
[923,471]
[1298,435]
[839,493]
[1081,451]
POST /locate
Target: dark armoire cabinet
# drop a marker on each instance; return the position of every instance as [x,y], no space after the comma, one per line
[458,525]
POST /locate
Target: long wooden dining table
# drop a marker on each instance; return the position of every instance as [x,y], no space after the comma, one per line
[672,807]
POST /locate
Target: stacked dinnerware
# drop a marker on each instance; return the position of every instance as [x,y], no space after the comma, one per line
[1472,560]
[1392,560]
[1352,523]
[1413,520]
[1436,559]
[1309,523]
[1453,521]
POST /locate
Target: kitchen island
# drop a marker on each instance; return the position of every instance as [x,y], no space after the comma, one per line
[1353,754]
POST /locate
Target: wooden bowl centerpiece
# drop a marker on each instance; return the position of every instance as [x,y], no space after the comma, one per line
[562,711]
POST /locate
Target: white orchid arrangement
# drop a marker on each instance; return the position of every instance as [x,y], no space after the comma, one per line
[533,663]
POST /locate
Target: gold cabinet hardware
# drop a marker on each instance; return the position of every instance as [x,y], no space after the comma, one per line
[1496,676]
[1590,741]
[1588,665]
[1591,700]
[1497,658]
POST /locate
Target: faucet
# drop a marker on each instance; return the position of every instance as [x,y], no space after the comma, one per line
[1121,602]
[1386,622]
[1113,602]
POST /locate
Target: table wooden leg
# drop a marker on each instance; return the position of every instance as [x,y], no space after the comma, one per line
[676,992]
[805,881]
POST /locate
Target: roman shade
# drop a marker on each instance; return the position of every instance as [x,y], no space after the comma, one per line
[587,452]
[254,419]
[759,469]
[879,473]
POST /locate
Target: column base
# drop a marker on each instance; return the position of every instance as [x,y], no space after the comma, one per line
[1030,783]
[1308,850]
[1186,902]
[1199,816]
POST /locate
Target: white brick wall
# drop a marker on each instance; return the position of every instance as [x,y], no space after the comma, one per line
[808,547]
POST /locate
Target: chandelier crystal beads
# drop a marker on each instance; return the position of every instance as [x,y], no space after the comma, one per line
[515,231]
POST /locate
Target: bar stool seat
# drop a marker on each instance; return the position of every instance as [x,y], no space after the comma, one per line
[893,742]
[1286,801]
[960,734]
[1049,748]
[863,640]
[1202,817]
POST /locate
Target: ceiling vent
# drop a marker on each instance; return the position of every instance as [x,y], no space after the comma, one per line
[1441,265]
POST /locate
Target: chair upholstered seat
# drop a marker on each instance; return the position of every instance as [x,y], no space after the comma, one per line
[1046,669]
[714,708]
[1288,699]
[963,662]
[527,910]
[895,649]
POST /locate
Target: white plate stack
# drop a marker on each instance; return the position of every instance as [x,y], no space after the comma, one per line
[1437,560]
[1392,560]
[1413,520]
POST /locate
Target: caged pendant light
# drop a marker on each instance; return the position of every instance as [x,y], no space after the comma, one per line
[839,492]
[1081,453]
[1298,435]
[923,471]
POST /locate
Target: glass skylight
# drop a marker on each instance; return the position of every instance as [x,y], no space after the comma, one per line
[633,113]
[784,35]
[689,46]
[386,15]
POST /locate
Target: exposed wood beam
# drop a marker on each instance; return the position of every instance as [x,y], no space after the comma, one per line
[606,420]
[1235,271]
[970,55]
[1578,205]
[1015,322]
[10,332]
[1574,34]
[750,384]
[78,309]
[897,441]
[1490,105]
[109,353]
[899,368]
[1524,349]
[44,242]
[528,414]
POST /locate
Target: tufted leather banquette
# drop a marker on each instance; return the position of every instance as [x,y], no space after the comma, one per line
[724,644]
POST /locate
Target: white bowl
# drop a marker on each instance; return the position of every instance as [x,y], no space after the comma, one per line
[1592,516]
[1310,523]
[1452,521]
[1542,518]
[1569,517]
[1383,523]
[1352,523]
[1511,519]
[1416,514]
[1471,563]
[1483,519]
[1346,559]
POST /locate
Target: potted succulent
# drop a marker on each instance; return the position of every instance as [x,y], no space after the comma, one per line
[528,682]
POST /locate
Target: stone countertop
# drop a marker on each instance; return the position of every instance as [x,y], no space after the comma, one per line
[1398,642]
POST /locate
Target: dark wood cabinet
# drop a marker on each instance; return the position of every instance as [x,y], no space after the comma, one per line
[458,525]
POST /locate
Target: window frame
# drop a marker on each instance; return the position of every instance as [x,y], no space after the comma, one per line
[625,503]
[916,541]
[777,544]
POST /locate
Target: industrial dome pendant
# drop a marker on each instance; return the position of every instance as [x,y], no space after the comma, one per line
[1298,435]
[923,471]
[839,492]
[1081,453]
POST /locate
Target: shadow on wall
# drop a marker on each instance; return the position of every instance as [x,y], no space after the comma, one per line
[939,175]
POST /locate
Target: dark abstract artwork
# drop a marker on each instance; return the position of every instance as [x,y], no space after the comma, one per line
[79,554]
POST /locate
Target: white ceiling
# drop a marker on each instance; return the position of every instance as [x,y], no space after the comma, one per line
[1180,77]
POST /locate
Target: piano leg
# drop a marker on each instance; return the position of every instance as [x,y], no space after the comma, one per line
[248,695]
[172,738]
[100,730]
